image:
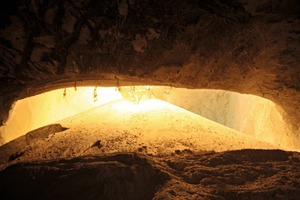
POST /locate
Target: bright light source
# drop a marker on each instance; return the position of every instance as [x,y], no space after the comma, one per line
[136,93]
[145,105]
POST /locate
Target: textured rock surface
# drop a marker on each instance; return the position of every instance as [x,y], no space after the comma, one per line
[245,174]
[12,151]
[244,46]
[124,176]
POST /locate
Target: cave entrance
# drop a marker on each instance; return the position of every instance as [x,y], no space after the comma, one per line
[248,114]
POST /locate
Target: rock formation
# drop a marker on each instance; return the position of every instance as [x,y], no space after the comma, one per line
[247,47]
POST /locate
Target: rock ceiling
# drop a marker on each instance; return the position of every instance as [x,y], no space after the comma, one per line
[244,46]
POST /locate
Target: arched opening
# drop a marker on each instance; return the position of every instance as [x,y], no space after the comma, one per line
[189,111]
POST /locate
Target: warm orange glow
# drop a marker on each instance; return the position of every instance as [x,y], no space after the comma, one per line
[33,112]
[146,105]
[136,93]
[124,126]
[248,114]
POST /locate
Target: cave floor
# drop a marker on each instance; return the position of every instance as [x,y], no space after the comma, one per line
[154,151]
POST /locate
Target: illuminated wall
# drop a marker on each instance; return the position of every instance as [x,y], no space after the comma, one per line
[40,110]
[248,114]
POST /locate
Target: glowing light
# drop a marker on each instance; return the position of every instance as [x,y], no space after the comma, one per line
[40,110]
[136,93]
[159,125]
[245,113]
[146,105]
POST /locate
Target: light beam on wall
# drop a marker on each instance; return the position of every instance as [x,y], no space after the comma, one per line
[248,114]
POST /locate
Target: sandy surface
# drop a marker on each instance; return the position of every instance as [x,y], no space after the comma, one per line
[153,127]
[117,150]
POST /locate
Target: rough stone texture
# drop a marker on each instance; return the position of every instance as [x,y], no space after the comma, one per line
[243,46]
[11,151]
[243,175]
[124,176]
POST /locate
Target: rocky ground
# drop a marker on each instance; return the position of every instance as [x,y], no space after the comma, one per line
[241,174]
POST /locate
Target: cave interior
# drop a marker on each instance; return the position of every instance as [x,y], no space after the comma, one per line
[141,99]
